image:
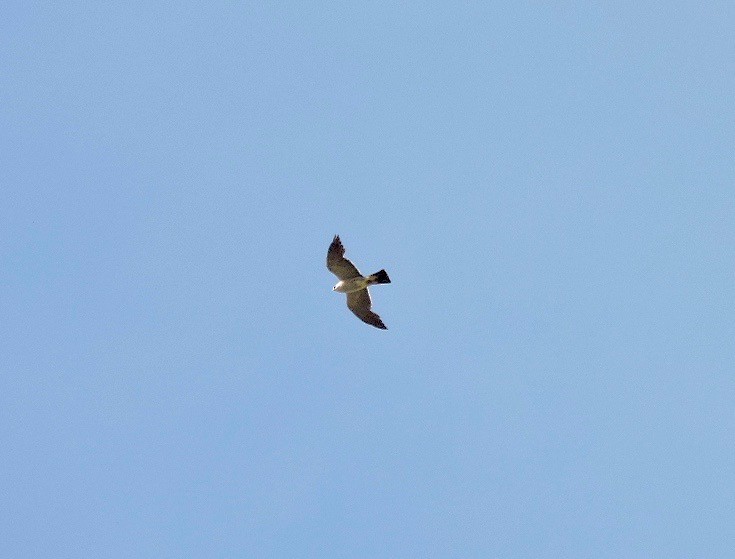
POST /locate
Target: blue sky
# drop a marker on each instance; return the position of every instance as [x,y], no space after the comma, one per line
[550,187]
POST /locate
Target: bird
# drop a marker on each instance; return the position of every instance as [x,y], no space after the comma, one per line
[354,284]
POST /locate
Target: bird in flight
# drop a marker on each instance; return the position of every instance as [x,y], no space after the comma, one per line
[352,282]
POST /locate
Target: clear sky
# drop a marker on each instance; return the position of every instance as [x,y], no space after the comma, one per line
[551,187]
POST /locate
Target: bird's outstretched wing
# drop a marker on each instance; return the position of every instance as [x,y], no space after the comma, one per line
[359,303]
[339,265]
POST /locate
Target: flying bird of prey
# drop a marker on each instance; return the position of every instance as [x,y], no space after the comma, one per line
[352,282]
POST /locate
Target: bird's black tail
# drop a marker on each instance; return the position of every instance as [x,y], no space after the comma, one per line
[380,277]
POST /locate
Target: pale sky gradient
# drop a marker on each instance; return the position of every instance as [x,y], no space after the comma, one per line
[551,187]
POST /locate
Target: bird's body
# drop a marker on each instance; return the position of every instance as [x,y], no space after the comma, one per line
[351,285]
[354,284]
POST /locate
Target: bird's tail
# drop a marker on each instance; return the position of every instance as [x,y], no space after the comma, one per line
[379,277]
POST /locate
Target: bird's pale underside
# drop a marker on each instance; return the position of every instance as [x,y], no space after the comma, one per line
[354,284]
